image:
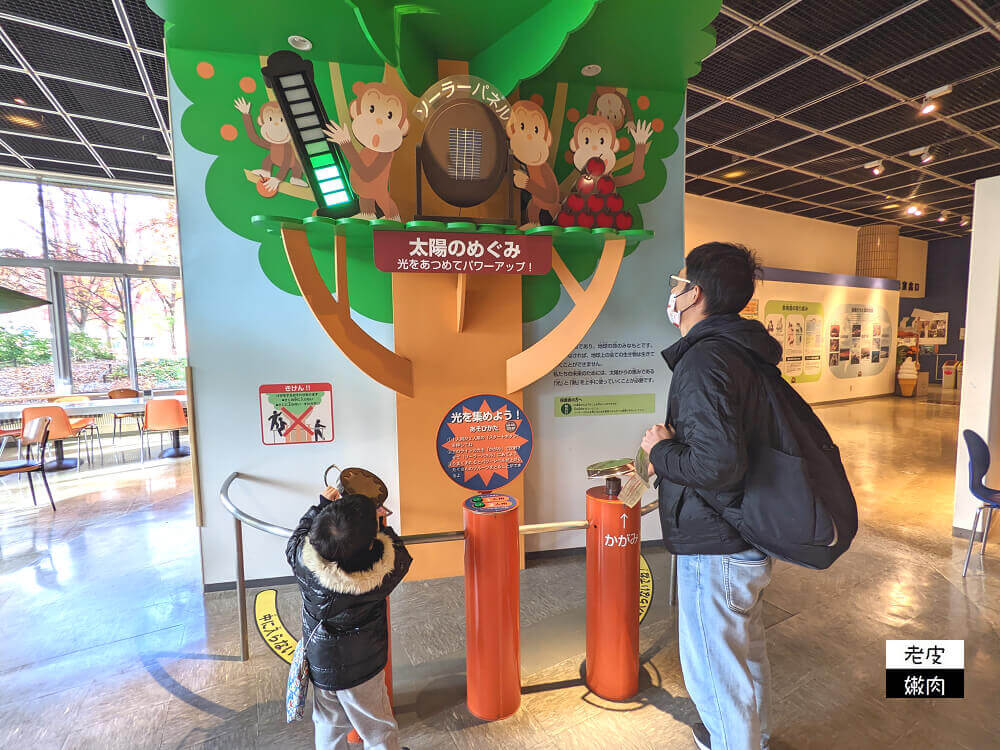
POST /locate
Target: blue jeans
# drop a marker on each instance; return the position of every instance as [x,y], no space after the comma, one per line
[723,652]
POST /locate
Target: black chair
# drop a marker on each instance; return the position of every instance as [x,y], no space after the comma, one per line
[34,435]
[979,464]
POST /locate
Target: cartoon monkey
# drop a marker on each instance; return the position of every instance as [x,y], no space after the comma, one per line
[612,105]
[595,136]
[378,120]
[274,137]
[530,140]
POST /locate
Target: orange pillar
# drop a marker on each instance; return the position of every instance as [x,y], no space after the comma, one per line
[612,596]
[492,606]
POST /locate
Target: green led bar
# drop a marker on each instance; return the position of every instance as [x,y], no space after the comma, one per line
[291,79]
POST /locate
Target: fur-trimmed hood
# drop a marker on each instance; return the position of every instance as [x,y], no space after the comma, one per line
[332,577]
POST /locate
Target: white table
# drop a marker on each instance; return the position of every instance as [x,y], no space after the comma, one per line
[95,407]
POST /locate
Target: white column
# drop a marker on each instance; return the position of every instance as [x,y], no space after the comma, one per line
[980,409]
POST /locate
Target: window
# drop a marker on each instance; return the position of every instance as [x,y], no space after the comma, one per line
[110,259]
[26,353]
[100,226]
[158,325]
[26,338]
[22,236]
[98,336]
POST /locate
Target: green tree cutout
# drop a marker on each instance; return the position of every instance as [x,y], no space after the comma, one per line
[653,48]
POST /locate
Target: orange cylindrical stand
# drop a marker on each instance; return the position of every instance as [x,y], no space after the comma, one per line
[492,606]
[612,596]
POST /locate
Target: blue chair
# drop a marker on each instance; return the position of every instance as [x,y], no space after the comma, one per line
[979,464]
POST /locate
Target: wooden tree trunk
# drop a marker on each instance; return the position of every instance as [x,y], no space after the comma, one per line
[448,366]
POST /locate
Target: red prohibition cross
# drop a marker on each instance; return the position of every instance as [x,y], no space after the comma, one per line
[298,420]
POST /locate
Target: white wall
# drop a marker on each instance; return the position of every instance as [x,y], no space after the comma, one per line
[980,408]
[781,240]
[787,241]
[912,266]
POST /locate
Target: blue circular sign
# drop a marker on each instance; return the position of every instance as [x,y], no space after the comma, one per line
[484,442]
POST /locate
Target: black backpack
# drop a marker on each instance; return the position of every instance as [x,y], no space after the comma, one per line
[797,503]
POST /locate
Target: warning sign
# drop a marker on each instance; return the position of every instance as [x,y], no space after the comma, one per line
[484,442]
[296,413]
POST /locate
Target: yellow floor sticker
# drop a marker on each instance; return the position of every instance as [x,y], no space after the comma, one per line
[270,626]
[645,588]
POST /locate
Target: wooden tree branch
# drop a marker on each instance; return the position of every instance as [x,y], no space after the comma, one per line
[534,362]
[379,363]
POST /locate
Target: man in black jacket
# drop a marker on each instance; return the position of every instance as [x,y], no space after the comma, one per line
[715,415]
[346,567]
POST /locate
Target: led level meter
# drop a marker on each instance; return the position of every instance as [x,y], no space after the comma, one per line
[291,79]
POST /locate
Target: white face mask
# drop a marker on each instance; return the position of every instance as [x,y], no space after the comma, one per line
[673,314]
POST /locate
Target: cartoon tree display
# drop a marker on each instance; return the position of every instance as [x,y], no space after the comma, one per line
[536,48]
[453,332]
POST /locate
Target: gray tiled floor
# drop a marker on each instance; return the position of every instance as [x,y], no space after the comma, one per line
[111,643]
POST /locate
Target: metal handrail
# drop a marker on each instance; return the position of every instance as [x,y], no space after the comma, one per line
[241,517]
[438,536]
[270,528]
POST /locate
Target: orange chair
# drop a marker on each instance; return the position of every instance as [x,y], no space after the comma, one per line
[166,415]
[88,424]
[118,418]
[34,434]
[59,430]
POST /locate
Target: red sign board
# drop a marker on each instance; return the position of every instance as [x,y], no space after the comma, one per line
[459,252]
[296,413]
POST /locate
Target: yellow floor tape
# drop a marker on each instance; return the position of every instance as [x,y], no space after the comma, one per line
[270,626]
[645,588]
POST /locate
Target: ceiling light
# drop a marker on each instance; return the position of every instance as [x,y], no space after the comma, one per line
[877,167]
[893,205]
[164,157]
[914,210]
[734,174]
[19,100]
[929,105]
[943,217]
[590,70]
[300,42]
[924,152]
[964,221]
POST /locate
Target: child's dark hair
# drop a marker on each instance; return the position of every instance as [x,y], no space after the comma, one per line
[345,528]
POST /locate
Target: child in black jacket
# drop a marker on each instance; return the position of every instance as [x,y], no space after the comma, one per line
[346,566]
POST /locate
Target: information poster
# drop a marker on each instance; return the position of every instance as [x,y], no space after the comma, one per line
[605,406]
[293,413]
[484,442]
[861,339]
[798,327]
[932,327]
